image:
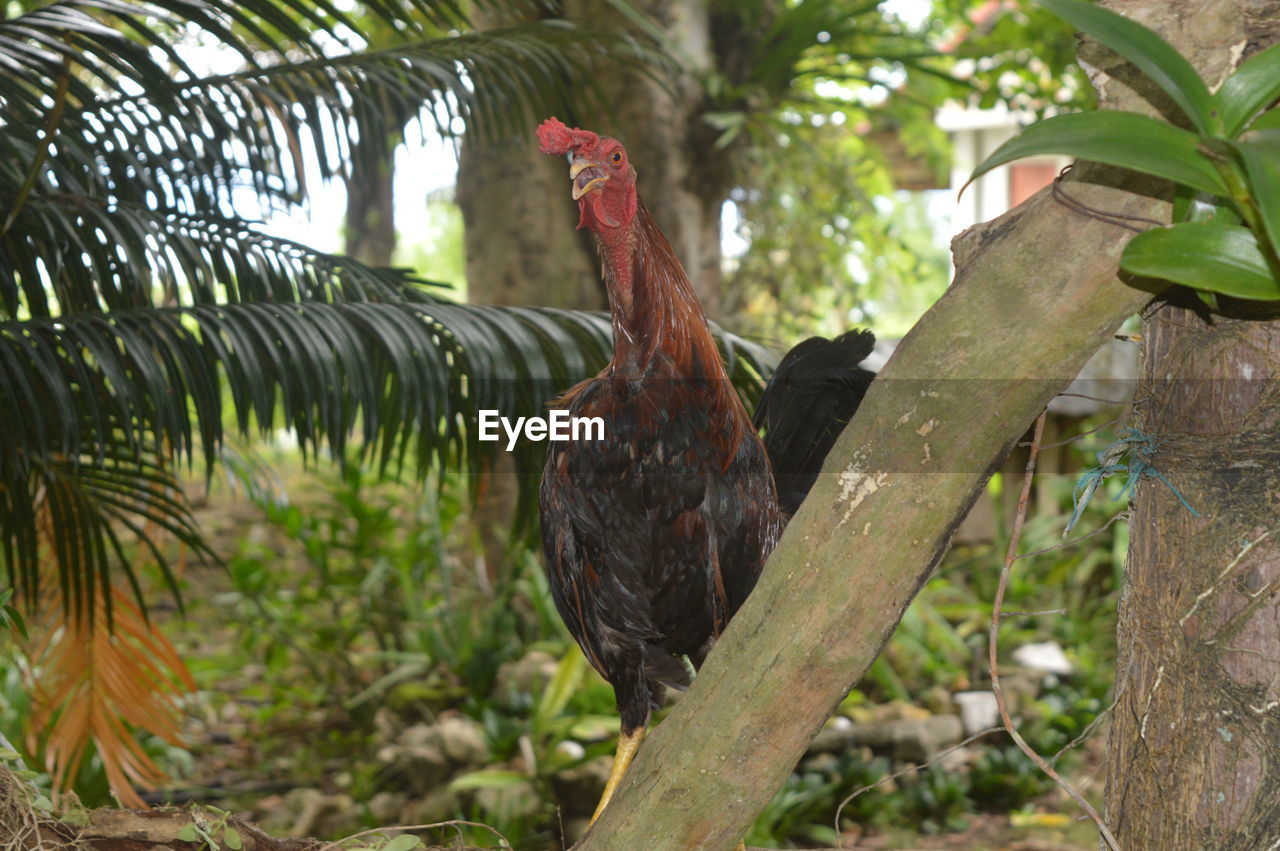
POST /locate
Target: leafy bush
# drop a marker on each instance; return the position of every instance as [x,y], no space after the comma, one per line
[937,800]
[1227,231]
[1005,778]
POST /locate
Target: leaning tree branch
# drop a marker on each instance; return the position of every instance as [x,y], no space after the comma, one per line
[1035,296]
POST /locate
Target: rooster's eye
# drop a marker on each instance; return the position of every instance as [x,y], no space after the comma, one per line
[616,156]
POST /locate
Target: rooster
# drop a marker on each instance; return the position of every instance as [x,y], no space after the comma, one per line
[655,534]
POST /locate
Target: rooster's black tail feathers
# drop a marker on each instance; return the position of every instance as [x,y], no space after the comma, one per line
[812,395]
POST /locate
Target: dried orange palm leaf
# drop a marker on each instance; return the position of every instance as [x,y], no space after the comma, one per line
[102,686]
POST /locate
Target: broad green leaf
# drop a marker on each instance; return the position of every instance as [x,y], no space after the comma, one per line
[1152,54]
[1116,138]
[1204,255]
[1260,154]
[1189,206]
[231,838]
[488,778]
[593,727]
[1269,120]
[188,832]
[558,692]
[1253,86]
[404,842]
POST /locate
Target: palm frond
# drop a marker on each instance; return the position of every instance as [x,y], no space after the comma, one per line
[100,686]
[154,377]
[141,318]
[144,128]
[409,377]
[97,256]
[71,513]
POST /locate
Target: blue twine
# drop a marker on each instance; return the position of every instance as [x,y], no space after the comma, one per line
[1140,448]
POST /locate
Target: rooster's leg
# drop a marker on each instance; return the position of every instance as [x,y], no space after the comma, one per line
[628,744]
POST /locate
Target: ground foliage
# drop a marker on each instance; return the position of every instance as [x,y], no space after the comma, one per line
[116,349]
[355,620]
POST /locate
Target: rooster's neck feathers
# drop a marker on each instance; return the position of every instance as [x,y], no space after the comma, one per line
[658,323]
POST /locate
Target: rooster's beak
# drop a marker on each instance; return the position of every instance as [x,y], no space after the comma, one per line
[586,176]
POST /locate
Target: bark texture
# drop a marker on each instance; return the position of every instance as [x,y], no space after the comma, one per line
[520,244]
[1195,744]
[371,226]
[1194,757]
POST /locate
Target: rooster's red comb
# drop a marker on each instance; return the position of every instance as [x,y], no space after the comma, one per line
[557,139]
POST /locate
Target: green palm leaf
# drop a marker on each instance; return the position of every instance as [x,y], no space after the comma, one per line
[75,509]
[141,318]
[104,388]
[121,256]
[149,130]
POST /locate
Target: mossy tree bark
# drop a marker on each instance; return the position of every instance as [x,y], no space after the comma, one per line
[1194,757]
[1195,743]
[1035,295]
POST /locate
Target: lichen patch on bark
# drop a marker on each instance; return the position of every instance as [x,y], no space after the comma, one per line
[856,485]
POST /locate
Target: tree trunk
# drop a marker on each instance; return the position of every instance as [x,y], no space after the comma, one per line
[370,231]
[1195,744]
[1194,756]
[521,247]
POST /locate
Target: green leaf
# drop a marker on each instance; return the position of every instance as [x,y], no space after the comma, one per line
[1152,54]
[403,842]
[1204,255]
[1259,152]
[1116,138]
[1269,120]
[188,832]
[592,727]
[14,619]
[557,693]
[1190,206]
[231,837]
[1253,86]
[488,778]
